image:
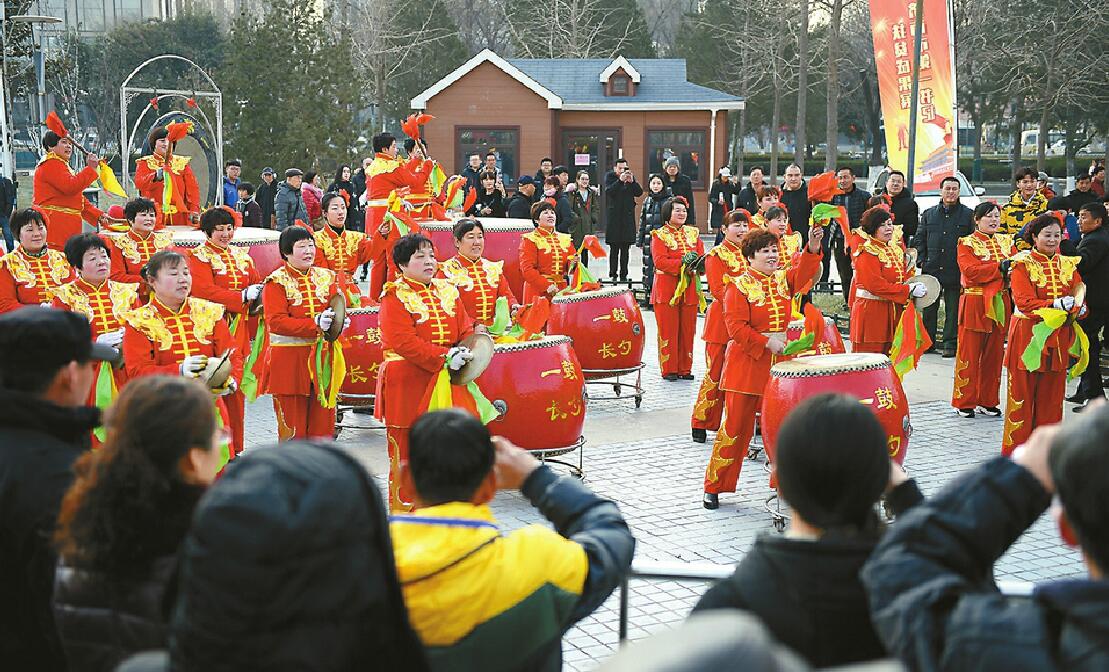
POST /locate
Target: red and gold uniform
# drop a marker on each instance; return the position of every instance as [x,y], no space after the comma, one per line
[545,256]
[480,283]
[185,189]
[789,250]
[858,237]
[58,193]
[756,306]
[292,299]
[421,197]
[981,339]
[130,252]
[723,262]
[419,324]
[156,340]
[881,292]
[220,275]
[30,279]
[343,252]
[677,325]
[1036,397]
[387,180]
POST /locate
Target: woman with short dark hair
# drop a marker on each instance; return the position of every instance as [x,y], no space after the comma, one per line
[31,272]
[546,255]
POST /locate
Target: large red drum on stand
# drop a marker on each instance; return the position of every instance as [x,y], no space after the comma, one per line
[502,243]
[362,351]
[538,388]
[607,328]
[867,376]
[831,343]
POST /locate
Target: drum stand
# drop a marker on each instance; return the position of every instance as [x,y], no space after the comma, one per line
[577,470]
[349,402]
[611,377]
[773,506]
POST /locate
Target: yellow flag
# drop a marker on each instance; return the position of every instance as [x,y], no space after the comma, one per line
[108,180]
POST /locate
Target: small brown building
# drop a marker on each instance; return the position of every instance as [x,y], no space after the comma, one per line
[583,114]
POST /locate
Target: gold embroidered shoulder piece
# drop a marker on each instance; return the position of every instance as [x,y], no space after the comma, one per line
[732,259]
[455,273]
[321,280]
[20,269]
[205,315]
[123,295]
[752,288]
[791,242]
[692,235]
[666,237]
[146,320]
[1035,269]
[1067,266]
[542,243]
[380,166]
[890,255]
[213,258]
[74,299]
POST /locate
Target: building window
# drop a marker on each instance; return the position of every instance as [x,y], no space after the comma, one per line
[619,86]
[688,145]
[503,142]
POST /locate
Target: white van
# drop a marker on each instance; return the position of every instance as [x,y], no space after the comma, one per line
[969,196]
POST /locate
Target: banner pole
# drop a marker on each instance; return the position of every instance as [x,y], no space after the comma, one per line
[915,94]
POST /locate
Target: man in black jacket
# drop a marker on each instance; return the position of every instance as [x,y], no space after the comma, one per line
[932,599]
[1082,193]
[265,197]
[795,196]
[903,206]
[47,364]
[748,196]
[519,206]
[854,201]
[7,206]
[937,244]
[680,185]
[1093,248]
[621,190]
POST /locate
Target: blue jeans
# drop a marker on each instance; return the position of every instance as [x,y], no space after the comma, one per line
[7,234]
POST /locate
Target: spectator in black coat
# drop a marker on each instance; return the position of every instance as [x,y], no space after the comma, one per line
[7,207]
[854,201]
[937,244]
[490,197]
[1093,248]
[795,196]
[546,168]
[519,206]
[721,200]
[621,190]
[344,181]
[747,197]
[251,211]
[265,196]
[932,598]
[472,172]
[1082,193]
[903,207]
[832,467]
[289,565]
[650,218]
[48,362]
[680,185]
[125,516]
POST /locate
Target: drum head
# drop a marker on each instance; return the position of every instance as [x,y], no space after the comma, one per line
[217,371]
[825,365]
[481,345]
[338,303]
[932,284]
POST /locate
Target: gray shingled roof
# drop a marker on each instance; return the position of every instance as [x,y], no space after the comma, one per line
[662,80]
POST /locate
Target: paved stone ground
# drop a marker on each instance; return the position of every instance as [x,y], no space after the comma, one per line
[644,460]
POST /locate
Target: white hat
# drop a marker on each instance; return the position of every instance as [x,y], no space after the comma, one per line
[725,172]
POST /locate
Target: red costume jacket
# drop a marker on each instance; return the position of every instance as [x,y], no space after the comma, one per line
[105,307]
[881,291]
[668,245]
[756,305]
[58,192]
[723,263]
[156,339]
[545,256]
[419,324]
[291,300]
[480,283]
[27,280]
[185,189]
[130,252]
[221,274]
[1036,281]
[342,252]
[979,257]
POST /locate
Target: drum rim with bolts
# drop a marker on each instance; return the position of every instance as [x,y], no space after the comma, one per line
[499,227]
[602,293]
[551,339]
[363,310]
[802,367]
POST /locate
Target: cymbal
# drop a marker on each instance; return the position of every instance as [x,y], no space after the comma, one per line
[481,346]
[338,303]
[217,371]
[932,284]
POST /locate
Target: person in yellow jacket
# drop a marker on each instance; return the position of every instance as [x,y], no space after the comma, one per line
[483,599]
[1023,205]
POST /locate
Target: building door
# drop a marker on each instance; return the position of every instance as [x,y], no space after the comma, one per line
[591,150]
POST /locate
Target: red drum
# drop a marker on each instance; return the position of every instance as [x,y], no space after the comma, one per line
[868,376]
[261,244]
[362,350]
[539,390]
[502,243]
[832,343]
[606,326]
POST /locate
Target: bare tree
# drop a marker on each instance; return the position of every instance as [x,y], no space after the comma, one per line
[802,84]
[569,29]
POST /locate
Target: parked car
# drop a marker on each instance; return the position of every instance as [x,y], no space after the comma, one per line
[969,195]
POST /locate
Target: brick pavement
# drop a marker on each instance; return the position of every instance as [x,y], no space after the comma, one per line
[645,461]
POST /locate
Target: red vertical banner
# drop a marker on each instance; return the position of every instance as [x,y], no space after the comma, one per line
[893,23]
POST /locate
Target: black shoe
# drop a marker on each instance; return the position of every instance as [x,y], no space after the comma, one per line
[965,412]
[686,376]
[1081,407]
[650,308]
[1077,398]
[670,377]
[930,350]
[992,411]
[948,354]
[700,435]
[711,501]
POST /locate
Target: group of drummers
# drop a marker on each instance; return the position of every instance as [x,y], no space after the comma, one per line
[208,310]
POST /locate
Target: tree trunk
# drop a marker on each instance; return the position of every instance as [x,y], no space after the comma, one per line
[742,141]
[799,138]
[832,116]
[976,119]
[1016,128]
[1069,142]
[1041,141]
[776,116]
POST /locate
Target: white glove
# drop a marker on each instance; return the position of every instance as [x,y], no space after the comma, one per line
[252,292]
[230,388]
[112,338]
[193,365]
[324,319]
[1064,302]
[458,356]
[917,290]
[346,323]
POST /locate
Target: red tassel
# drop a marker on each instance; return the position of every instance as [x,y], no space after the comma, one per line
[54,123]
[178,130]
[471,198]
[596,250]
[154,102]
[533,317]
[823,187]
